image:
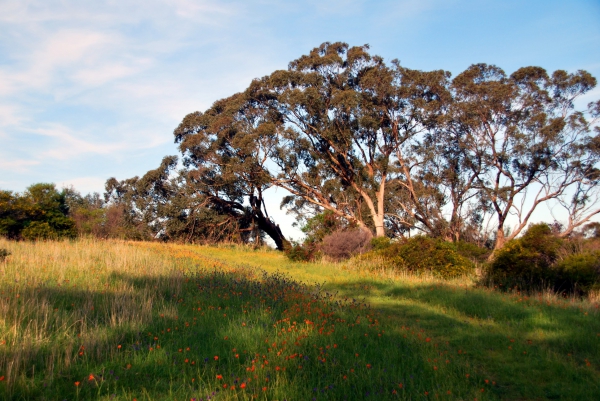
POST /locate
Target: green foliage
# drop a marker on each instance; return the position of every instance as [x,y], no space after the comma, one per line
[321,225]
[533,263]
[422,254]
[41,212]
[3,254]
[472,252]
[578,273]
[525,262]
[380,243]
[305,252]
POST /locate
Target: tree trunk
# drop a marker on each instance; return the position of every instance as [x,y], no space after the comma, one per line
[272,231]
[379,228]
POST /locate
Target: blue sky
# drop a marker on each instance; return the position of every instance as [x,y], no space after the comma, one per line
[93,89]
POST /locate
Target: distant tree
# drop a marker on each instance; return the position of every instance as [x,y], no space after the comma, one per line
[41,212]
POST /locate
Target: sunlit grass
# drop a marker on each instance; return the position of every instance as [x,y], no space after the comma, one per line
[115,320]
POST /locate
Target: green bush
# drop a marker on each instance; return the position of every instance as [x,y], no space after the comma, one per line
[3,254]
[37,230]
[578,273]
[472,252]
[423,254]
[306,252]
[380,243]
[525,263]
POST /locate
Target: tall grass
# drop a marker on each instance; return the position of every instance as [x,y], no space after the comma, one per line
[115,320]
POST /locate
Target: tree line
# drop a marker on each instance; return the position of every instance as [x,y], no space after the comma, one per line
[376,145]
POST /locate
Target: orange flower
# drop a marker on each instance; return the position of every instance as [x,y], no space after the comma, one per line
[216,357]
[264,389]
[91,377]
[368,366]
[1,378]
[243,385]
[119,346]
[219,377]
[77,384]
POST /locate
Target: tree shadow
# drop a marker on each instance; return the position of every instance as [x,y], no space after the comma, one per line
[512,340]
[159,340]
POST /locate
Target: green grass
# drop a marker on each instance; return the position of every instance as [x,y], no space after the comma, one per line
[124,321]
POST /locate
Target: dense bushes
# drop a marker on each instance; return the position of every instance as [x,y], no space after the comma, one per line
[338,245]
[41,212]
[540,260]
[419,255]
[341,245]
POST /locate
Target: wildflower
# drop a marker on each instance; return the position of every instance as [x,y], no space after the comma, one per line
[243,385]
[216,357]
[219,377]
[264,389]
[91,377]
[119,346]
[77,384]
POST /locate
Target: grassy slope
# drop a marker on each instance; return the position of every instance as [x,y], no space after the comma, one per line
[65,309]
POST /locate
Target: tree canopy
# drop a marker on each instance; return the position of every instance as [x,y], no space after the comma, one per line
[355,142]
[395,150]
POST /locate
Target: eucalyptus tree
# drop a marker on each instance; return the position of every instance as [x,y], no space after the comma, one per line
[522,143]
[226,150]
[347,128]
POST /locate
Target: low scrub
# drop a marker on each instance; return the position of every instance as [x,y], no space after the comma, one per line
[343,244]
[540,260]
[423,254]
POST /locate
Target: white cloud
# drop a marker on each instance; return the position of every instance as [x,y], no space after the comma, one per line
[68,144]
[84,184]
[17,165]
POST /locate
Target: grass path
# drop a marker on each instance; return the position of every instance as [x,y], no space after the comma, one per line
[148,321]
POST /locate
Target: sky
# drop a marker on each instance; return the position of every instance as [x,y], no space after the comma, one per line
[94,89]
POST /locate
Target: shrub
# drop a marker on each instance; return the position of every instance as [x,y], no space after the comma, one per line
[3,254]
[306,252]
[380,243]
[472,252]
[341,245]
[578,273]
[525,263]
[39,231]
[422,254]
[419,255]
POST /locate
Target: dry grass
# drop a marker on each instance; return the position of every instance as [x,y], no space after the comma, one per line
[61,300]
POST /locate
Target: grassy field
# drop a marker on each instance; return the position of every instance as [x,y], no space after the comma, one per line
[147,321]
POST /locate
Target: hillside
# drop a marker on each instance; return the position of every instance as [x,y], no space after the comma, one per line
[130,320]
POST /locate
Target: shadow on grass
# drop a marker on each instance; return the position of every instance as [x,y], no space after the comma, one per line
[269,337]
[531,349]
